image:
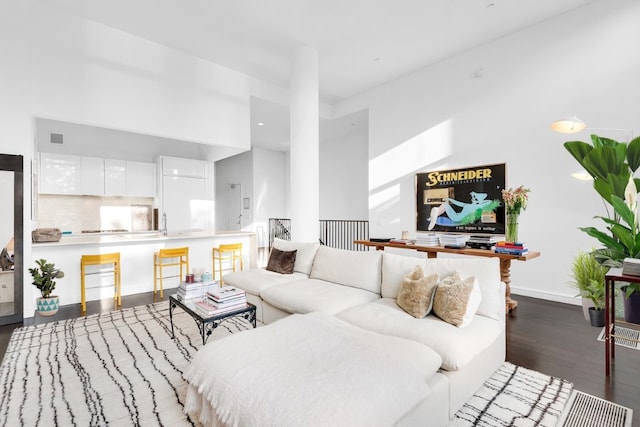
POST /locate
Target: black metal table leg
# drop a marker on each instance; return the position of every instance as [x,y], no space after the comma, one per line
[172,306]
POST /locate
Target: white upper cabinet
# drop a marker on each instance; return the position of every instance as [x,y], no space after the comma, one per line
[173,166]
[96,176]
[60,174]
[141,179]
[92,176]
[115,177]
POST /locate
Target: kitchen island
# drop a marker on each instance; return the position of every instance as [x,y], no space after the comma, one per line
[136,257]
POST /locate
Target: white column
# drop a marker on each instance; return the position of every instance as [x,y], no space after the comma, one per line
[304,152]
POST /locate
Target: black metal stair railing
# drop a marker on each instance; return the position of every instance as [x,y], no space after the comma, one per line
[341,233]
[335,233]
[280,228]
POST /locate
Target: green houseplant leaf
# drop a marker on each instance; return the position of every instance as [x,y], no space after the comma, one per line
[611,164]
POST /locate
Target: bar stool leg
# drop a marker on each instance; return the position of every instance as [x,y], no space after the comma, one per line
[83,302]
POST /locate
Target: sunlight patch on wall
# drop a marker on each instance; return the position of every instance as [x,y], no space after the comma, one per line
[423,149]
[384,198]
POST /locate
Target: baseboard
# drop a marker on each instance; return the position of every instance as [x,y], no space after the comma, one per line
[549,296]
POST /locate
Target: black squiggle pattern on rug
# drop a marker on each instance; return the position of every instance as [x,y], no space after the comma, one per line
[515,396]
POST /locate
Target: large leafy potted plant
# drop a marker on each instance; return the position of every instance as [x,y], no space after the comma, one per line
[44,276]
[588,277]
[612,165]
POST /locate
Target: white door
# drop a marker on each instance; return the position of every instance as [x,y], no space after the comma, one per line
[234,207]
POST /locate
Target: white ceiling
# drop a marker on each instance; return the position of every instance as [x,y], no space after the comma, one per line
[361,43]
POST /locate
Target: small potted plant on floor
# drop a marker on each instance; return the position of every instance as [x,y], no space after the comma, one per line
[44,279]
[588,277]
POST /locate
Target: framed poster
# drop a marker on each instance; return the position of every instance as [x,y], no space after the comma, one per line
[465,200]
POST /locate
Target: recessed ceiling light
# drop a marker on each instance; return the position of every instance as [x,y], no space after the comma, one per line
[260,124]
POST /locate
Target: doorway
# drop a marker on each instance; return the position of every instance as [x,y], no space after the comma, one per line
[234,207]
[11,239]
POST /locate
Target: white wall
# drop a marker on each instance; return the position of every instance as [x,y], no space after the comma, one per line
[343,169]
[237,169]
[15,119]
[582,63]
[269,174]
[6,207]
[96,141]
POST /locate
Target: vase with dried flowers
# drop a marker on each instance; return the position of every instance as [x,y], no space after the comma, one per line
[515,201]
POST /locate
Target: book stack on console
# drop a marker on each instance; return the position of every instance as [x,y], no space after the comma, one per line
[427,240]
[194,290]
[631,267]
[511,248]
[222,300]
[453,240]
[482,242]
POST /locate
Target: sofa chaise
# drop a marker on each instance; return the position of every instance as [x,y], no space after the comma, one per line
[355,296]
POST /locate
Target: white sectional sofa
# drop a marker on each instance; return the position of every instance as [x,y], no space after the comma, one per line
[360,288]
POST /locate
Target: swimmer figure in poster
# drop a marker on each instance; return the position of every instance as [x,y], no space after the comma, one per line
[478,202]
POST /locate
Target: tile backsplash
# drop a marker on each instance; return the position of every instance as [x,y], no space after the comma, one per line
[78,213]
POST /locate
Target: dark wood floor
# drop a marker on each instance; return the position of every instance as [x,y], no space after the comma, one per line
[549,337]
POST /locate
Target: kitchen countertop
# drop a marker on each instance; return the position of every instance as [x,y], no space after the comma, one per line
[135,237]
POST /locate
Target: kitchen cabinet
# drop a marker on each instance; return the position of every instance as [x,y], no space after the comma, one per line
[183,196]
[60,174]
[184,201]
[173,166]
[115,177]
[141,179]
[92,182]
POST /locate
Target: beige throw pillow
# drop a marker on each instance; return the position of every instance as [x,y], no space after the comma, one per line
[452,297]
[416,293]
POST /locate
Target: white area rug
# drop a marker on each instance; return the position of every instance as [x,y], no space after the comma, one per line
[516,396]
[123,368]
[120,368]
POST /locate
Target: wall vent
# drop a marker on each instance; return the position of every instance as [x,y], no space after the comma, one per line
[56,138]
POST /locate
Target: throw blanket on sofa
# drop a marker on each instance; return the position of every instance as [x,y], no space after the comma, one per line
[309,370]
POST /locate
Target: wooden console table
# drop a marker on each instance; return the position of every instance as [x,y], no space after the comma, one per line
[432,252]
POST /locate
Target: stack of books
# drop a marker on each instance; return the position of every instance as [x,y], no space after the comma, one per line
[453,239]
[631,267]
[195,290]
[427,240]
[511,248]
[222,300]
[482,242]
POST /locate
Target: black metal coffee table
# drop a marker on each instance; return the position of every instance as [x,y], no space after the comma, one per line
[207,324]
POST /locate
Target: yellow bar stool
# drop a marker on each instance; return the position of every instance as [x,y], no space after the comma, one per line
[100,259]
[229,254]
[172,257]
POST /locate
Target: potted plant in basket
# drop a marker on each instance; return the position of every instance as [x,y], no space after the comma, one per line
[44,279]
[588,277]
[612,165]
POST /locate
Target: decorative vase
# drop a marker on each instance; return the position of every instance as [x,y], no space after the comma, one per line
[511,228]
[47,306]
